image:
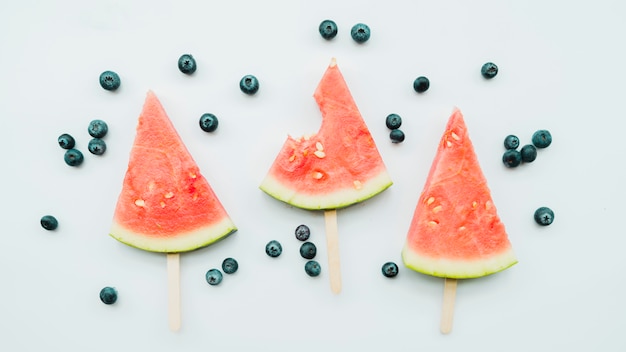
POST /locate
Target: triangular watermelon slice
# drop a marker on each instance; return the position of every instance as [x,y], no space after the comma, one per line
[336,167]
[456,231]
[166,205]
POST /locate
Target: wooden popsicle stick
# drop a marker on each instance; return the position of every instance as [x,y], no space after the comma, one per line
[173,290]
[447,312]
[332,245]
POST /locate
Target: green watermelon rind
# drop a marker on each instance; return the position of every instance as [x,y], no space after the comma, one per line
[335,199]
[182,242]
[458,268]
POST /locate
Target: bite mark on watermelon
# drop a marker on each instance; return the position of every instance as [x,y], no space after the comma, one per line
[336,167]
[456,231]
[166,204]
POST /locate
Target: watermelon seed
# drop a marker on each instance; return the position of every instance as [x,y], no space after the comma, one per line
[320,154]
[430,200]
[318,175]
[357,184]
[433,223]
[437,209]
[140,202]
[455,136]
[319,146]
[292,157]
[169,195]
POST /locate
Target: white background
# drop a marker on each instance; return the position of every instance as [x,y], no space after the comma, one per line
[562,68]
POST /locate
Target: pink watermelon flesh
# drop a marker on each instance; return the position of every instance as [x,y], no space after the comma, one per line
[336,167]
[456,231]
[166,205]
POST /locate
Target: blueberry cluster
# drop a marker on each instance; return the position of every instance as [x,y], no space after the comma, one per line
[360,32]
[513,157]
[308,250]
[214,276]
[393,122]
[74,157]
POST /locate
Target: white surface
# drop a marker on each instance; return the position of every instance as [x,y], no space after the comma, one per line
[561,68]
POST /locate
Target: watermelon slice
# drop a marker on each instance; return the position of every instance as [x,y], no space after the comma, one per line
[456,231]
[166,205]
[336,167]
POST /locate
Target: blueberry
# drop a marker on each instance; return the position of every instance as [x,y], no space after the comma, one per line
[108,295]
[511,142]
[303,232]
[421,84]
[49,222]
[73,157]
[544,216]
[489,70]
[529,153]
[66,141]
[273,248]
[187,64]
[512,158]
[230,265]
[397,136]
[213,277]
[97,146]
[97,128]
[249,84]
[308,250]
[328,29]
[109,80]
[542,138]
[208,122]
[390,269]
[312,268]
[393,121]
[360,33]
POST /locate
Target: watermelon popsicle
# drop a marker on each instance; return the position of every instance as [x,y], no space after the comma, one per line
[166,205]
[336,167]
[456,232]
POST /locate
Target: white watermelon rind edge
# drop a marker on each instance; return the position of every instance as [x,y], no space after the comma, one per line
[458,269]
[181,242]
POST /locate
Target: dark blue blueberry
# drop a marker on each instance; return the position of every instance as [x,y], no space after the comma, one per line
[109,80]
[308,250]
[97,128]
[230,265]
[529,153]
[208,122]
[544,216]
[187,64]
[49,222]
[108,295]
[66,141]
[390,269]
[312,268]
[393,121]
[360,33]
[489,70]
[421,84]
[512,158]
[273,248]
[213,277]
[542,138]
[97,146]
[511,142]
[303,232]
[397,136]
[328,29]
[249,84]
[73,157]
